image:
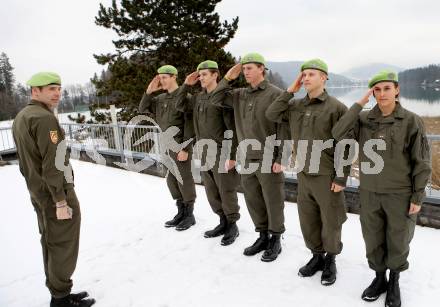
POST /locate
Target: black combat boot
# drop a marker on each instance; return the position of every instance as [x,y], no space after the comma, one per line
[377,287]
[231,233]
[273,250]
[73,300]
[176,220]
[314,265]
[260,245]
[188,219]
[218,230]
[328,276]
[393,291]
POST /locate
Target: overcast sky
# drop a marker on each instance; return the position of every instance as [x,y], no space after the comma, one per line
[61,36]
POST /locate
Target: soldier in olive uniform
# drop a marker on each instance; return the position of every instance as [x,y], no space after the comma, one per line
[264,188]
[320,197]
[37,133]
[391,197]
[163,108]
[211,122]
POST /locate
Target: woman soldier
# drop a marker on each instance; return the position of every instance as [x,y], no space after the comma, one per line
[391,197]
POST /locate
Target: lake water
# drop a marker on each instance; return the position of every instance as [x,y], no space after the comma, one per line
[424,102]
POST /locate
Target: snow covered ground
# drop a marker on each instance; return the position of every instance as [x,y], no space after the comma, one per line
[127,258]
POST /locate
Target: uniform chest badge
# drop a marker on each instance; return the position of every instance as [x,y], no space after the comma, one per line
[53,136]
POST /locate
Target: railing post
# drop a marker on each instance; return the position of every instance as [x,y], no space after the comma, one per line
[118,136]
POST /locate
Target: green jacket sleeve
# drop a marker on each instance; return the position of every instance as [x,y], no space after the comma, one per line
[48,135]
[223,95]
[342,181]
[229,121]
[420,161]
[188,125]
[278,111]
[184,101]
[282,135]
[148,104]
[347,126]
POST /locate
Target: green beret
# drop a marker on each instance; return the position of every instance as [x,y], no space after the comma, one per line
[317,64]
[253,58]
[44,78]
[167,69]
[383,75]
[207,65]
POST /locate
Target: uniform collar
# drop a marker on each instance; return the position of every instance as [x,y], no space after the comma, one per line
[39,103]
[261,86]
[376,113]
[321,98]
[172,94]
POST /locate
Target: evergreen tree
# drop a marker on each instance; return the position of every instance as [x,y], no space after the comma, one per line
[153,33]
[7,76]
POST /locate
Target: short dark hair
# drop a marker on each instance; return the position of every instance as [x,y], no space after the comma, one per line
[38,87]
[264,70]
[213,71]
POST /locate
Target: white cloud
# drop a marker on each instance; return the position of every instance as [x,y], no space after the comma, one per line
[62,36]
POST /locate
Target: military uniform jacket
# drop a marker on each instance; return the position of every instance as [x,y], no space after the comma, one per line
[249,106]
[210,121]
[37,133]
[407,155]
[163,109]
[311,119]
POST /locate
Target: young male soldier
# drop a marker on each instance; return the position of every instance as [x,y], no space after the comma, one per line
[264,188]
[211,122]
[37,133]
[320,198]
[392,197]
[163,108]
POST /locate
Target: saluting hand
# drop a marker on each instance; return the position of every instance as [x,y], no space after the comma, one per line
[414,208]
[366,98]
[192,78]
[296,85]
[234,72]
[154,85]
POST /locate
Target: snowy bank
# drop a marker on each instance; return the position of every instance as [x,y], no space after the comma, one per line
[127,258]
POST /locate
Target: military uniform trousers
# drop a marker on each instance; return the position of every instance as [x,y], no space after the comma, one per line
[183,192]
[264,195]
[221,190]
[59,242]
[387,229]
[321,213]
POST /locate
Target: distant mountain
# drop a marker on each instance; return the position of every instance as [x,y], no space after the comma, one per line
[365,72]
[289,70]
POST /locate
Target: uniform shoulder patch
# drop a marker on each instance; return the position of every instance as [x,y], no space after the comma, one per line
[53,136]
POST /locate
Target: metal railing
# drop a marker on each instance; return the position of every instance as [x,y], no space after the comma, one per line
[121,140]
[114,138]
[6,140]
